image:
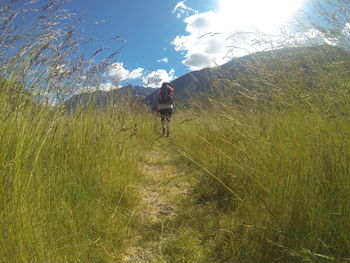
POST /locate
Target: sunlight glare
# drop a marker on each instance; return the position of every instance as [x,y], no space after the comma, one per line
[262,15]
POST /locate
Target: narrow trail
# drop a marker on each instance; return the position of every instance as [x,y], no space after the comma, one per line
[165,184]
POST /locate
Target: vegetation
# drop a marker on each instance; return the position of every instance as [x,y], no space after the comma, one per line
[66,182]
[66,179]
[275,166]
[268,155]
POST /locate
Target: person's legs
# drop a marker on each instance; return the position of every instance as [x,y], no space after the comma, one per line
[165,116]
[163,120]
[167,126]
[163,123]
[168,117]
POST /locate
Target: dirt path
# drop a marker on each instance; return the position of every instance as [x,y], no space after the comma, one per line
[165,184]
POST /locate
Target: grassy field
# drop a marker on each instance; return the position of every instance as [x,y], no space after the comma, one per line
[269,173]
[66,182]
[269,182]
[274,184]
[275,175]
[66,179]
[266,158]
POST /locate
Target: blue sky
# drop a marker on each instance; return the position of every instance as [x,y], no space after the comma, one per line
[161,36]
[164,39]
[148,28]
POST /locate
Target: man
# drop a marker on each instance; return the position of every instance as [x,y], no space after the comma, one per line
[165,105]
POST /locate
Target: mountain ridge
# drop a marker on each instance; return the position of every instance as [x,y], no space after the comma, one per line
[101,98]
[252,71]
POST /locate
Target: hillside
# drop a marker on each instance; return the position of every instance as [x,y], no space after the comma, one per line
[259,72]
[262,70]
[101,98]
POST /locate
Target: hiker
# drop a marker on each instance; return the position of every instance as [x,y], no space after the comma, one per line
[165,105]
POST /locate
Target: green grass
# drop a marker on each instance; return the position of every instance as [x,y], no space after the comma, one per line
[275,179]
[269,153]
[269,174]
[66,182]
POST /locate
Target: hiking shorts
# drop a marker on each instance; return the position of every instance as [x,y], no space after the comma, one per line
[165,114]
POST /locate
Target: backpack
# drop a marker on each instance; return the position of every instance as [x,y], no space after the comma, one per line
[166,94]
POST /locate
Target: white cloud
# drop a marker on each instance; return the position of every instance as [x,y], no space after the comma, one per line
[135,74]
[107,86]
[164,60]
[208,42]
[111,80]
[197,60]
[312,37]
[181,9]
[346,30]
[345,39]
[118,73]
[236,29]
[46,97]
[155,78]
[208,51]
[103,86]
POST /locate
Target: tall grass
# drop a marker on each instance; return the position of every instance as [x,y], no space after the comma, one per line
[66,183]
[275,165]
[66,179]
[272,148]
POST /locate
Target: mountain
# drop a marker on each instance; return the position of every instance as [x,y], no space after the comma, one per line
[101,98]
[263,72]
